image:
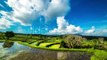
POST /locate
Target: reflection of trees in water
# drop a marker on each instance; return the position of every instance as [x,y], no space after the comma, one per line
[3,53]
[39,54]
[8,44]
[36,54]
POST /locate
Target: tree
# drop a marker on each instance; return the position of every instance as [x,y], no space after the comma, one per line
[73,41]
[9,34]
[63,45]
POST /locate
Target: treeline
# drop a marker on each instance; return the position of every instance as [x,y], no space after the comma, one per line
[94,37]
[7,35]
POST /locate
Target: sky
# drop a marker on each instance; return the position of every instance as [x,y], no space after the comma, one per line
[54,17]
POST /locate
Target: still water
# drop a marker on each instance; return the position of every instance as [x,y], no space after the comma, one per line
[16,51]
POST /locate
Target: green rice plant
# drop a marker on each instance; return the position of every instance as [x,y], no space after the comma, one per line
[99,55]
[44,44]
[55,46]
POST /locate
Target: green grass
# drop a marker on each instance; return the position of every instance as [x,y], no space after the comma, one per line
[2,40]
[23,43]
[105,42]
[44,44]
[99,55]
[55,46]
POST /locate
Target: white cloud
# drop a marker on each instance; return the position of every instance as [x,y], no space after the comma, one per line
[26,11]
[99,32]
[57,8]
[105,30]
[65,28]
[90,31]
[4,23]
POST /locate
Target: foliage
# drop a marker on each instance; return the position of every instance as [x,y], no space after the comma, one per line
[99,43]
[63,45]
[99,55]
[73,41]
[9,34]
[2,36]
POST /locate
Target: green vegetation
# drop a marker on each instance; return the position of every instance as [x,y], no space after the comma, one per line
[2,36]
[73,41]
[96,46]
[9,34]
[99,55]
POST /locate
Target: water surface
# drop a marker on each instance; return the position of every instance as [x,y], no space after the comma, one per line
[16,51]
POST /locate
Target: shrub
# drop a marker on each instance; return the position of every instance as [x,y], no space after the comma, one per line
[63,44]
[73,41]
[99,43]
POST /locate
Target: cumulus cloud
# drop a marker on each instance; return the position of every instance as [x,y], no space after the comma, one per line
[26,12]
[63,27]
[57,8]
[90,31]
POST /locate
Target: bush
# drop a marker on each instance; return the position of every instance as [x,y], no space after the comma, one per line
[99,43]
[73,41]
[63,45]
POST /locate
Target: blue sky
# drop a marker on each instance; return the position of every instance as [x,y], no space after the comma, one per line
[86,17]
